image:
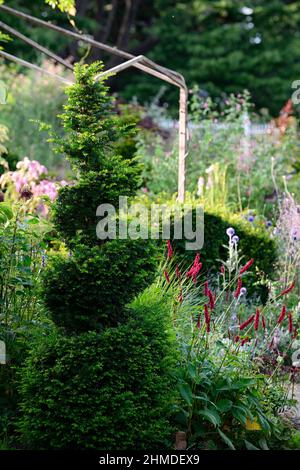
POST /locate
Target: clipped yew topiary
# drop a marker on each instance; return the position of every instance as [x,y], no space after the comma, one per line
[89,289]
[103,382]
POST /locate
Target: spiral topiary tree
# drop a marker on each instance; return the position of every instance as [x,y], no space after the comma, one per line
[103,381]
[89,289]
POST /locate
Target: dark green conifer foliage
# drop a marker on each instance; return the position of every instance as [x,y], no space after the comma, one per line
[102,381]
[89,289]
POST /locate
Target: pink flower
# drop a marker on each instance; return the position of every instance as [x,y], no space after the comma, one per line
[167,276]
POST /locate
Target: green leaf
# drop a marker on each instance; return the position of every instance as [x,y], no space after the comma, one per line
[224,405]
[226,439]
[186,393]
[239,415]
[263,444]
[250,446]
[192,370]
[211,415]
[6,210]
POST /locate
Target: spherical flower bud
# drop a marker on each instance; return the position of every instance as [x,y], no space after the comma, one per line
[235,239]
[230,232]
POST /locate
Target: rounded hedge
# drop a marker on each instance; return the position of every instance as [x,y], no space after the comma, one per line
[253,242]
[108,390]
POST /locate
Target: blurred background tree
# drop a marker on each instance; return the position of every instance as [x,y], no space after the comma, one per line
[222,45]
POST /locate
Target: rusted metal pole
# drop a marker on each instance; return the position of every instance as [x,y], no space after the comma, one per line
[140,62]
[35,45]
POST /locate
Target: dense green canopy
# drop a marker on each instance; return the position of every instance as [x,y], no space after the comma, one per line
[222,45]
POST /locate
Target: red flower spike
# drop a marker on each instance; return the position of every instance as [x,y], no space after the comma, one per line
[238,289]
[256,320]
[222,270]
[247,322]
[178,273]
[211,299]
[236,339]
[207,318]
[263,322]
[206,288]
[198,322]
[295,333]
[282,315]
[170,249]
[180,297]
[288,289]
[194,270]
[290,317]
[167,276]
[244,340]
[247,266]
[196,260]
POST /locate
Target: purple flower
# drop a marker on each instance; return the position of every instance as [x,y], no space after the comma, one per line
[230,232]
[251,218]
[269,223]
[235,239]
[243,291]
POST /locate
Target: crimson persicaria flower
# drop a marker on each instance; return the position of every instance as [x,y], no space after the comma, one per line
[282,315]
[263,322]
[206,288]
[256,320]
[198,322]
[288,289]
[207,318]
[245,340]
[167,276]
[247,266]
[180,297]
[238,289]
[290,317]
[247,322]
[170,249]
[211,299]
[194,270]
[178,273]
